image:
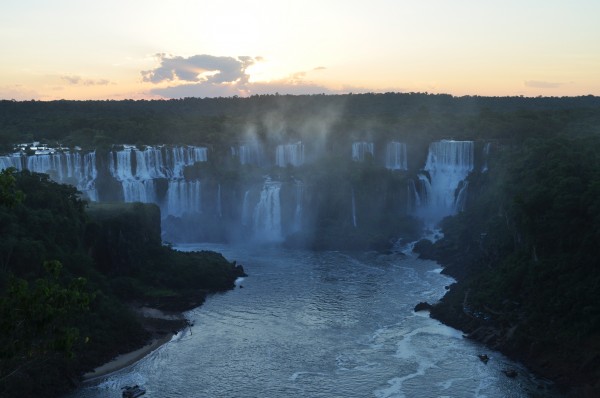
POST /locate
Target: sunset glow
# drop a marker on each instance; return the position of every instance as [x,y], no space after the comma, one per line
[82,50]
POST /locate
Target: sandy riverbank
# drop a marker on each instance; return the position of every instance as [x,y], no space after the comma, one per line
[162,325]
[125,360]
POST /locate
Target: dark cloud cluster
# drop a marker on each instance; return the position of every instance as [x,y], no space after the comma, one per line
[203,68]
[212,76]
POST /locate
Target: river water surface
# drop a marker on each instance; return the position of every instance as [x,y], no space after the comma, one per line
[321,324]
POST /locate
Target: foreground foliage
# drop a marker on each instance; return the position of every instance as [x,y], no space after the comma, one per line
[526,255]
[67,276]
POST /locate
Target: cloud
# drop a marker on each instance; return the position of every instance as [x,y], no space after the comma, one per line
[294,84]
[543,84]
[211,76]
[78,80]
[202,68]
[71,79]
[197,90]
[17,92]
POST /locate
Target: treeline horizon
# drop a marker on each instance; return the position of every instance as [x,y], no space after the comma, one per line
[225,120]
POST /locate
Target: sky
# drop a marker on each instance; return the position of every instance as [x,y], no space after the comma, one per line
[148,49]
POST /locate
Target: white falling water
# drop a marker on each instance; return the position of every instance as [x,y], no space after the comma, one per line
[359,149]
[250,153]
[448,164]
[83,169]
[219,209]
[353,210]
[72,168]
[150,164]
[486,154]
[120,165]
[139,191]
[246,214]
[289,154]
[14,160]
[154,162]
[413,200]
[267,213]
[51,164]
[297,225]
[137,169]
[461,197]
[395,156]
[184,197]
[177,158]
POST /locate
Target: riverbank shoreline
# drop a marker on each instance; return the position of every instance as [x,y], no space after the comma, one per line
[161,325]
[125,360]
[545,362]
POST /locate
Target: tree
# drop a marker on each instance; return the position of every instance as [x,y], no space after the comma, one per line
[9,194]
[36,319]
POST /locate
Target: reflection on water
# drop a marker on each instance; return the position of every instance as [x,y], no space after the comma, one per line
[324,324]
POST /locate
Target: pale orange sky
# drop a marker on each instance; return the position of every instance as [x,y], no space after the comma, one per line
[78,49]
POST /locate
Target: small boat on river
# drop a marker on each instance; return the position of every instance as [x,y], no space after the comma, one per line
[133,391]
[510,372]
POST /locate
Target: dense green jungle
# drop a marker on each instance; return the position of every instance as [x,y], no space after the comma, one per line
[524,250]
[70,275]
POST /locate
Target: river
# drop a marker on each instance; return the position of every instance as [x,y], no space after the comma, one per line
[321,324]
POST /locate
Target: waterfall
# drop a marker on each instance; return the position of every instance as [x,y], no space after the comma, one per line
[486,154]
[250,153]
[177,158]
[121,165]
[395,156]
[413,201]
[139,191]
[219,210]
[83,170]
[246,210]
[360,148]
[183,197]
[267,213]
[448,164]
[297,225]
[64,167]
[461,198]
[50,164]
[124,167]
[137,169]
[154,162]
[14,160]
[292,154]
[150,164]
[353,210]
